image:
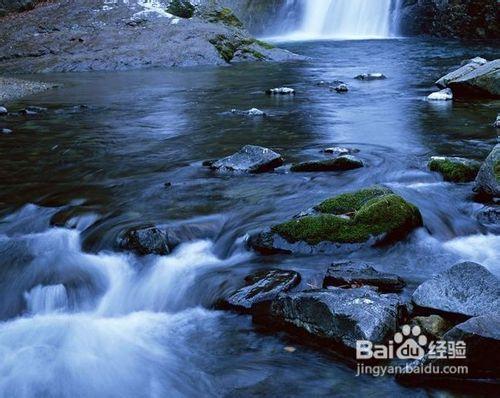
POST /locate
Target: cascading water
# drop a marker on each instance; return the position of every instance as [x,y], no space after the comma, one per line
[345,19]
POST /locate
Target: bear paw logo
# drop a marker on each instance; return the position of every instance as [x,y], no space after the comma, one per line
[412,343]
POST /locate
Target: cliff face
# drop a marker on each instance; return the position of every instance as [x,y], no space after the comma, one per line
[69,35]
[467,19]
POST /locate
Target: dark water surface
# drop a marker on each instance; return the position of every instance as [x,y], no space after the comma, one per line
[81,319]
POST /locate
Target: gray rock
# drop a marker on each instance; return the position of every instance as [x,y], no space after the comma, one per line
[355,274]
[371,76]
[433,326]
[260,289]
[488,179]
[66,37]
[6,131]
[460,72]
[466,289]
[341,316]
[250,159]
[483,81]
[280,91]
[145,241]
[340,88]
[497,122]
[3,110]
[442,95]
[11,89]
[489,215]
[339,150]
[341,163]
[251,112]
[481,336]
[32,110]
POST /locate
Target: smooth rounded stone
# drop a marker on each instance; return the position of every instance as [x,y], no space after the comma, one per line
[466,289]
[489,215]
[339,150]
[345,223]
[250,159]
[347,274]
[341,163]
[280,91]
[433,326]
[6,131]
[466,68]
[481,336]
[442,95]
[260,289]
[250,112]
[455,169]
[482,82]
[3,110]
[32,110]
[143,241]
[497,122]
[371,76]
[341,316]
[488,179]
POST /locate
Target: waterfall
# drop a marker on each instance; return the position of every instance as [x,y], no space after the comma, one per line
[346,19]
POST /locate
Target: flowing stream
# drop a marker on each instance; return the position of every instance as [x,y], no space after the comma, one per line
[79,318]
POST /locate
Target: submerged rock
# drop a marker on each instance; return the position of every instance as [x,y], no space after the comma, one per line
[443,95]
[483,81]
[433,326]
[368,217]
[280,91]
[6,131]
[466,289]
[260,289]
[340,88]
[355,274]
[250,159]
[340,316]
[455,169]
[488,178]
[143,241]
[468,67]
[371,76]
[32,110]
[341,163]
[3,110]
[489,215]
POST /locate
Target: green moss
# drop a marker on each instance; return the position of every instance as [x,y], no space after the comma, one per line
[181,8]
[496,170]
[455,171]
[387,214]
[225,16]
[264,44]
[351,202]
[225,47]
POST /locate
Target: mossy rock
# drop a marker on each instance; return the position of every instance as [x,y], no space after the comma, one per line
[225,16]
[371,216]
[455,169]
[181,8]
[341,163]
[488,178]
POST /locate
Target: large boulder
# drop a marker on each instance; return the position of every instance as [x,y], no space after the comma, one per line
[340,163]
[483,81]
[354,274]
[368,217]
[471,65]
[340,316]
[454,169]
[260,289]
[488,178]
[467,289]
[249,159]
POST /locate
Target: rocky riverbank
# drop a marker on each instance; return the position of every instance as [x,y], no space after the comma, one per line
[62,36]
